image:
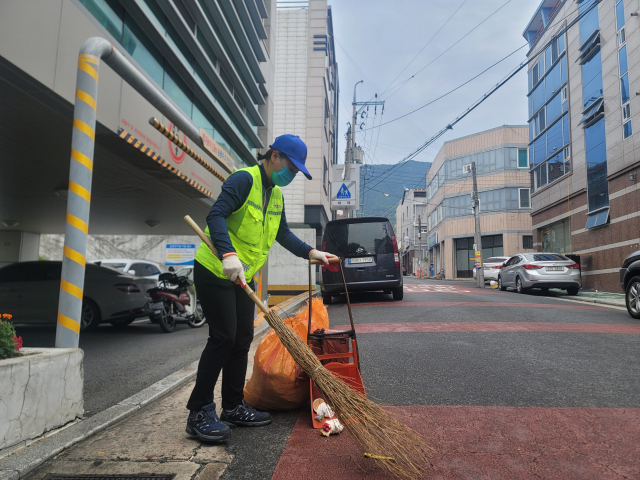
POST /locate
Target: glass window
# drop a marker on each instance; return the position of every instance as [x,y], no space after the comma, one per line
[596,153]
[523,160]
[563,69]
[525,201]
[540,149]
[589,22]
[530,79]
[594,136]
[620,15]
[592,80]
[541,176]
[627,131]
[527,241]
[561,43]
[547,57]
[360,239]
[555,167]
[175,89]
[624,88]
[537,97]
[207,49]
[109,13]
[622,54]
[531,129]
[542,119]
[553,81]
[554,108]
[554,139]
[142,51]
[531,155]
[565,129]
[535,75]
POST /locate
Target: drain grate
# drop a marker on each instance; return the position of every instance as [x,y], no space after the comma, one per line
[139,476]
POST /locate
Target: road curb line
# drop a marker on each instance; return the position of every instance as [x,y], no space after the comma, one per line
[26,459]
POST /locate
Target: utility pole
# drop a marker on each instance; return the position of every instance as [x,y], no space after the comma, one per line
[478,235]
[351,137]
[420,245]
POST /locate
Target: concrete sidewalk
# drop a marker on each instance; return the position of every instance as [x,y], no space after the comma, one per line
[152,440]
[142,434]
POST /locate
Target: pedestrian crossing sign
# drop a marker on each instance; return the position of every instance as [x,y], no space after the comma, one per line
[343,193]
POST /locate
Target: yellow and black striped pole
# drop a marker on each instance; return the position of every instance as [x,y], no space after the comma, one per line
[79,198]
[80,172]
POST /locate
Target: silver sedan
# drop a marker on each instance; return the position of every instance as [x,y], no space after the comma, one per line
[540,270]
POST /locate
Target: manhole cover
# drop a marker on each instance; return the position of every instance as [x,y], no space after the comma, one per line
[140,476]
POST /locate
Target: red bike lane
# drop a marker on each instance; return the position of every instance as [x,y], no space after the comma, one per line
[597,439]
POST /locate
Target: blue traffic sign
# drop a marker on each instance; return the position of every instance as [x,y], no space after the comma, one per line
[343,193]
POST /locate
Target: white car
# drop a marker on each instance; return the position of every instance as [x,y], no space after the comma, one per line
[491,268]
[137,268]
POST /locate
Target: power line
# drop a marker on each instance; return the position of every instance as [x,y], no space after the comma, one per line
[453,90]
[453,45]
[491,91]
[425,46]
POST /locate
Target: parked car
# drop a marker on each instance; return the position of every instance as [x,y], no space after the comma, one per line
[630,281]
[30,290]
[369,251]
[540,270]
[137,268]
[491,268]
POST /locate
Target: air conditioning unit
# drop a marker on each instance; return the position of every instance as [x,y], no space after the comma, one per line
[466,169]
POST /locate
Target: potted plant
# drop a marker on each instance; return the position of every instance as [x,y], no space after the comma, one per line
[40,388]
[10,343]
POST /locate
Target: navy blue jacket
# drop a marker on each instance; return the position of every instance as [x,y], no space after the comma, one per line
[235,191]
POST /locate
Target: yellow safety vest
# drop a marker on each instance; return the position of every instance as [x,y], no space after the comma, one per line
[251,234]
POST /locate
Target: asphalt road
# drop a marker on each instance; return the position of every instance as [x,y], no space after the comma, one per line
[120,362]
[502,385]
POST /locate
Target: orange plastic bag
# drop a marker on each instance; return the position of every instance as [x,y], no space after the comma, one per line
[274,383]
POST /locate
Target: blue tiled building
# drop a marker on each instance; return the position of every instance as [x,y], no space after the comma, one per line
[583,65]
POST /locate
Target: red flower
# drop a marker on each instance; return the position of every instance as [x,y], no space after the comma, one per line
[17,341]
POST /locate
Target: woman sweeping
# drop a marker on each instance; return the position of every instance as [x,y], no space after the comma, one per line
[243,223]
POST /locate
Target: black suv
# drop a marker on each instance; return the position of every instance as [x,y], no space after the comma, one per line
[630,281]
[368,249]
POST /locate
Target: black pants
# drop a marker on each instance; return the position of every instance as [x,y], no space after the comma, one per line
[230,313]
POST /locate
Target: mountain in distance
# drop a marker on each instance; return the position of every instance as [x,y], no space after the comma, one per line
[411,174]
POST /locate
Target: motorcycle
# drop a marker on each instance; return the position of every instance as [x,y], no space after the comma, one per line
[175,301]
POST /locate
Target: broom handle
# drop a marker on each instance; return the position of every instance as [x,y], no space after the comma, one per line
[207,240]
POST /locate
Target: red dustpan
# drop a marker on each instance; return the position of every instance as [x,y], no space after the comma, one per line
[338,351]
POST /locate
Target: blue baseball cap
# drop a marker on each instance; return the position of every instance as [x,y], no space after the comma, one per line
[295,149]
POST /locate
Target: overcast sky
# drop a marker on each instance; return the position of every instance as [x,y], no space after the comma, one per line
[376,39]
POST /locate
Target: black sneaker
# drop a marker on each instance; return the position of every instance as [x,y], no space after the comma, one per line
[206,425]
[245,415]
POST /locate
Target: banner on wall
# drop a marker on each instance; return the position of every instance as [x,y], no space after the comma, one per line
[180,254]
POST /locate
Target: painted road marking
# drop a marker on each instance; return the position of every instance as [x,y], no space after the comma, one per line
[422,288]
[513,327]
[472,304]
[484,442]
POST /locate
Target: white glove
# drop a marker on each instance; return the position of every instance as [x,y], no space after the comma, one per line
[318,255]
[232,269]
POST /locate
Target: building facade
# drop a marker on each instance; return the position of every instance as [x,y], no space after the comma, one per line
[212,59]
[582,148]
[306,104]
[411,214]
[502,167]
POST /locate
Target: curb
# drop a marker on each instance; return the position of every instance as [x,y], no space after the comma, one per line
[23,461]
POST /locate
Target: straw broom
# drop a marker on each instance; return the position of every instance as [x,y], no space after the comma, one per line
[392,445]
